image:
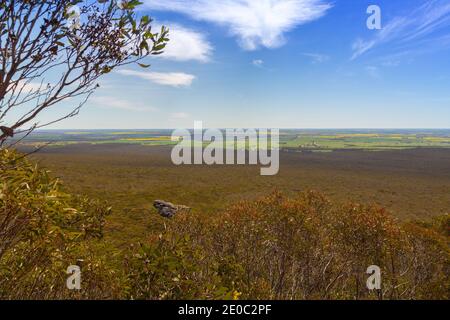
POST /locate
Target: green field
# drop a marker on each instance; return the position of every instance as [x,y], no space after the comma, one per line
[365,141]
[293,140]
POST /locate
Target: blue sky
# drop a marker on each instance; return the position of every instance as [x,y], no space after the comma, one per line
[285,64]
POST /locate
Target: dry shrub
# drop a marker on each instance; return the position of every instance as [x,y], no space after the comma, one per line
[170,267]
[304,247]
[43,230]
[310,248]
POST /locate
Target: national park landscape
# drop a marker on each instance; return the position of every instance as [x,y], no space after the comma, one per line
[97,98]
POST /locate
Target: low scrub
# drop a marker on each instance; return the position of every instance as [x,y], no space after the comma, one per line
[44,230]
[304,247]
[298,248]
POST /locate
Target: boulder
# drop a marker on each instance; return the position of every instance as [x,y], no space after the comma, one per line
[168,209]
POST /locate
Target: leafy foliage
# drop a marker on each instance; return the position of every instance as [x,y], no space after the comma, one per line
[43,230]
[169,267]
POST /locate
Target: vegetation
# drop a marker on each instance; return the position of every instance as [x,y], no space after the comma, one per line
[373,140]
[308,248]
[291,140]
[56,50]
[43,230]
[409,183]
[278,247]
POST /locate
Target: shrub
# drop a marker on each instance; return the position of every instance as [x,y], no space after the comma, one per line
[309,248]
[303,247]
[43,230]
[170,267]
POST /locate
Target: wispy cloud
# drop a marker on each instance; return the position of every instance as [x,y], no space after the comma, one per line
[317,57]
[258,63]
[109,102]
[425,23]
[179,115]
[173,79]
[33,87]
[186,44]
[256,23]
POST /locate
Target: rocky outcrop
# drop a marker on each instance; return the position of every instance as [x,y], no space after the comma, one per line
[168,209]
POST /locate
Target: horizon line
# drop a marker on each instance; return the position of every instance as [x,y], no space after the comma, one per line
[280,128]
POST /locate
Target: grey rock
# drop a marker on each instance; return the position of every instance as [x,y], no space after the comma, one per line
[168,209]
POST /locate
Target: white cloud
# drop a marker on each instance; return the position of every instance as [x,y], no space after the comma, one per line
[32,87]
[173,79]
[256,23]
[120,104]
[186,44]
[423,24]
[258,63]
[317,57]
[179,115]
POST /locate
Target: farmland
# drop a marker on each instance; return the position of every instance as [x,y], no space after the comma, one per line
[294,140]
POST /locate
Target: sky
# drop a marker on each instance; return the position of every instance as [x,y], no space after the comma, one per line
[284,64]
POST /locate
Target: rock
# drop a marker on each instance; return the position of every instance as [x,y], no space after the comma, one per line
[167,209]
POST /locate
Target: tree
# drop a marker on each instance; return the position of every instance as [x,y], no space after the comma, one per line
[53,50]
[43,230]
